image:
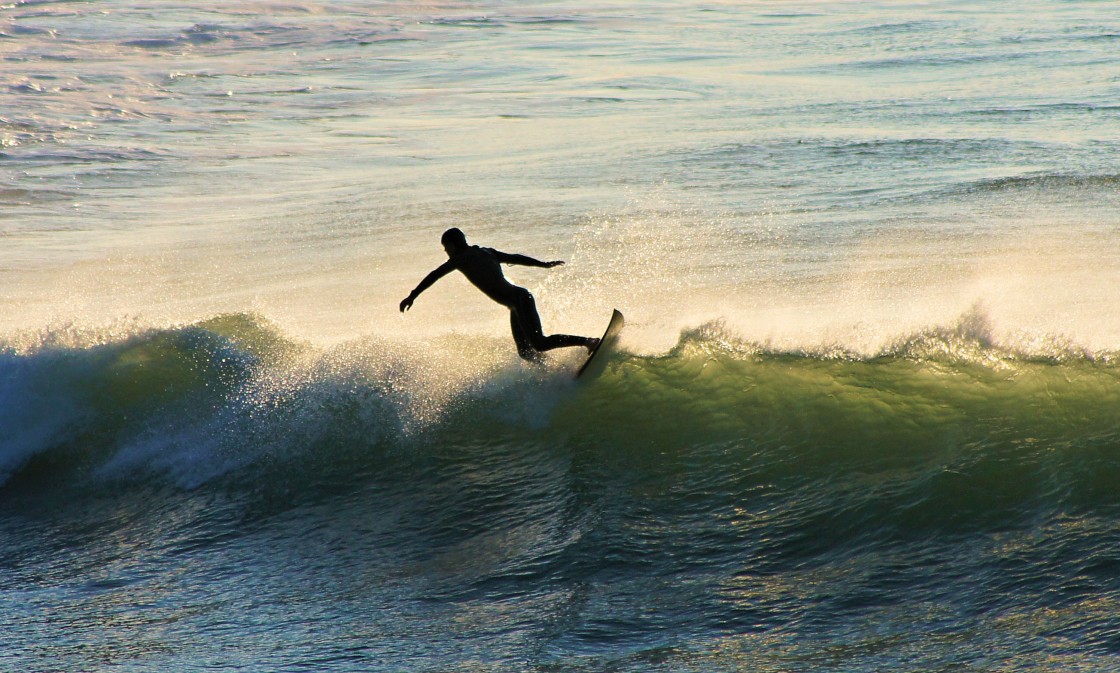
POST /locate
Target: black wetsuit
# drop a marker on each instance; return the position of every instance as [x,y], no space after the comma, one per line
[483,268]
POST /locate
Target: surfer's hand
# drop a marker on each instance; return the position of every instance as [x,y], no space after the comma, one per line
[549,265]
[406,303]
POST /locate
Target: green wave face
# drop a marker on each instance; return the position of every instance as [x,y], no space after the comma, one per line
[232,400]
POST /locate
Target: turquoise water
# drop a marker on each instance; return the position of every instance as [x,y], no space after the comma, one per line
[864,412]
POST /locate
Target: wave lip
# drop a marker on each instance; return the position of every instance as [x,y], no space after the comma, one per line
[78,401]
[233,397]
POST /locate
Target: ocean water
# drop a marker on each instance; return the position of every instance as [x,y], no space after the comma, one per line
[865,414]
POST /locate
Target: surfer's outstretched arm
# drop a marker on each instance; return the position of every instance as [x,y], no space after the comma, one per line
[523,260]
[429,280]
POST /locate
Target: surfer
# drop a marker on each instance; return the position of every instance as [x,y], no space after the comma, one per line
[483,268]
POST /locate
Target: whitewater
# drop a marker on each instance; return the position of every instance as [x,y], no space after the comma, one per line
[864,416]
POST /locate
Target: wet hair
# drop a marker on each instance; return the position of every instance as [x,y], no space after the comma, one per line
[454,238]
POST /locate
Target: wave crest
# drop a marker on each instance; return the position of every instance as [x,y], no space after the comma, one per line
[233,398]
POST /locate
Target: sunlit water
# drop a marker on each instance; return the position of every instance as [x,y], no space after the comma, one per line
[864,414]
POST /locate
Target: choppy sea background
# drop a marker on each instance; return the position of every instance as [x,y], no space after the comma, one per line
[865,414]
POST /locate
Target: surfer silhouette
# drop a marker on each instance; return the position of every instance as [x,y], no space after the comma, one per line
[483,268]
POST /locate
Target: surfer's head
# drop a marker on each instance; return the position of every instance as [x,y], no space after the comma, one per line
[453,241]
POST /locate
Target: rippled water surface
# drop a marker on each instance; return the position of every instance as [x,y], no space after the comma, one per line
[863,415]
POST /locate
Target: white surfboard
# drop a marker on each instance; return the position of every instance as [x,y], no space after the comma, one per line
[597,360]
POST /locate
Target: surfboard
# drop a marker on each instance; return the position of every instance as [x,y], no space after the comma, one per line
[596,360]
